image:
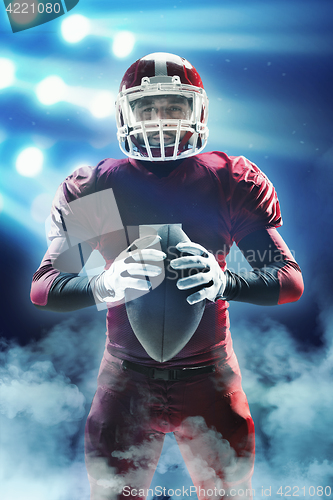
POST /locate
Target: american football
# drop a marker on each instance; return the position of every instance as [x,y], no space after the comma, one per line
[162,319]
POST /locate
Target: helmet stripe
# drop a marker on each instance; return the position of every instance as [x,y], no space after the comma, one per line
[161,65]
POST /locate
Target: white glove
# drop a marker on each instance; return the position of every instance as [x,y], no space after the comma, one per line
[211,272]
[110,285]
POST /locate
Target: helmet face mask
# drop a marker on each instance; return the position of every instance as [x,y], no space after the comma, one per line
[160,118]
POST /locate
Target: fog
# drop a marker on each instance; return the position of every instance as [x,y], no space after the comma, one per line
[47,387]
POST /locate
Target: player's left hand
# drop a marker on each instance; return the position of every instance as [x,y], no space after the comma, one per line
[211,272]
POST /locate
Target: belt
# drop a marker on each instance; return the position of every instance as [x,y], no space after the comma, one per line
[167,374]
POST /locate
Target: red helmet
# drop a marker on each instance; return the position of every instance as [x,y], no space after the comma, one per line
[161,109]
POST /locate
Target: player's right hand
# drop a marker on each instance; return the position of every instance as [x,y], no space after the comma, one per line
[111,284]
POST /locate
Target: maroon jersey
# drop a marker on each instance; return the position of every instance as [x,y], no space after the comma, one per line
[217,199]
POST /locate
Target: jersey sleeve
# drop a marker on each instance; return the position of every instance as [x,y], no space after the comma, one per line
[276,277]
[72,209]
[73,237]
[253,202]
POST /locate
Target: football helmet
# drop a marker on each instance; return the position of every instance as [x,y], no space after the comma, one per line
[161,109]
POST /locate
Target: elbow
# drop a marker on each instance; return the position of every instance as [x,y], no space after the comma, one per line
[41,283]
[38,295]
[291,286]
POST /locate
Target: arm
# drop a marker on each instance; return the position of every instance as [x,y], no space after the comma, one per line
[57,285]
[276,277]
[253,212]
[55,289]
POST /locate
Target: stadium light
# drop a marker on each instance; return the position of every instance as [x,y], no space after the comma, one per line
[102,105]
[75,28]
[51,90]
[29,162]
[123,44]
[7,72]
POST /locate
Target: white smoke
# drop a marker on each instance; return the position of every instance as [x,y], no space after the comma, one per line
[45,392]
[291,398]
[47,387]
[29,392]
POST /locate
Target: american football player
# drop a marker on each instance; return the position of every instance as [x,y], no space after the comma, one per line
[161,114]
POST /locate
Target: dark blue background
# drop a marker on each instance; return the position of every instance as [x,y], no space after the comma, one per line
[267,69]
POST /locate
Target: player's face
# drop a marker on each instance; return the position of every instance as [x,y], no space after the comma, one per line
[162,108]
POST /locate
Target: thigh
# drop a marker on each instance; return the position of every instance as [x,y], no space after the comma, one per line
[216,437]
[121,449]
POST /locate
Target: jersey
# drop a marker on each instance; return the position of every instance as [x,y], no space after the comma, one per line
[217,199]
